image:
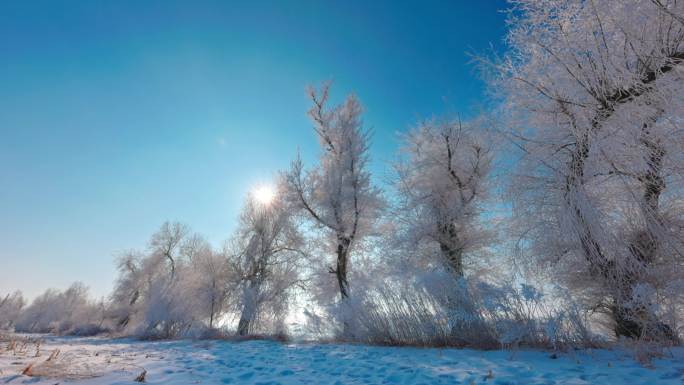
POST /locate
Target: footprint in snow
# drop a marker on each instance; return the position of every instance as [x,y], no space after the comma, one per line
[246,376]
[671,375]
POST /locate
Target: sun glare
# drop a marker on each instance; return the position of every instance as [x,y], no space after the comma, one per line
[263,194]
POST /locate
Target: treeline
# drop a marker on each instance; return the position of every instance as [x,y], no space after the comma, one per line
[555,218]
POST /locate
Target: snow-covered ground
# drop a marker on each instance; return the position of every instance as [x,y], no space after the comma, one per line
[97,361]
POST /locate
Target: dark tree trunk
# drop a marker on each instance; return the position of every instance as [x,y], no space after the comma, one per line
[213,304]
[625,324]
[453,255]
[211,316]
[249,308]
[340,271]
[462,313]
[342,262]
[638,321]
[243,325]
[643,245]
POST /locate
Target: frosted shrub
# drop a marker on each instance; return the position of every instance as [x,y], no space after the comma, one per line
[522,316]
[398,317]
[63,312]
[427,312]
[10,310]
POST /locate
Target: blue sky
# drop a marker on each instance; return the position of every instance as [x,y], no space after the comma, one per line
[118,115]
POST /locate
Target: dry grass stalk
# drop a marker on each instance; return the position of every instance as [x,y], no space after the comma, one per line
[28,370]
[37,349]
[53,355]
[141,376]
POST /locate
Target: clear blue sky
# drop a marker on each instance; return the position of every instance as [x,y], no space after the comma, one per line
[118,115]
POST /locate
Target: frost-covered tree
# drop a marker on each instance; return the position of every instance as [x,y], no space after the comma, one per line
[442,185]
[129,288]
[337,195]
[267,260]
[209,283]
[11,306]
[175,285]
[592,91]
[167,243]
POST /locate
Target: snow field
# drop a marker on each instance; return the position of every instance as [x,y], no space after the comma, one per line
[98,361]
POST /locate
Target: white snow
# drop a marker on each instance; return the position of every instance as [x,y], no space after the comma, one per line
[97,361]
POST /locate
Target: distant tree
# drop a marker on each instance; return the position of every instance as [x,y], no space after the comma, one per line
[337,196]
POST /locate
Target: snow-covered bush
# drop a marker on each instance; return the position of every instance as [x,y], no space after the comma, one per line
[419,310]
[64,312]
[11,306]
[521,315]
[424,287]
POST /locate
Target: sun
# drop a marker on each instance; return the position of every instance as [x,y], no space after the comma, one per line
[264,194]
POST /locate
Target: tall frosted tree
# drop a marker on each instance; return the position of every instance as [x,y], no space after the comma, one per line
[442,185]
[337,195]
[591,89]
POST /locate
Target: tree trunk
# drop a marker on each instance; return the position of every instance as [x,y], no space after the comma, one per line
[598,261]
[343,244]
[243,325]
[453,255]
[249,308]
[213,303]
[463,317]
[211,316]
[637,321]
[342,261]
[173,265]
